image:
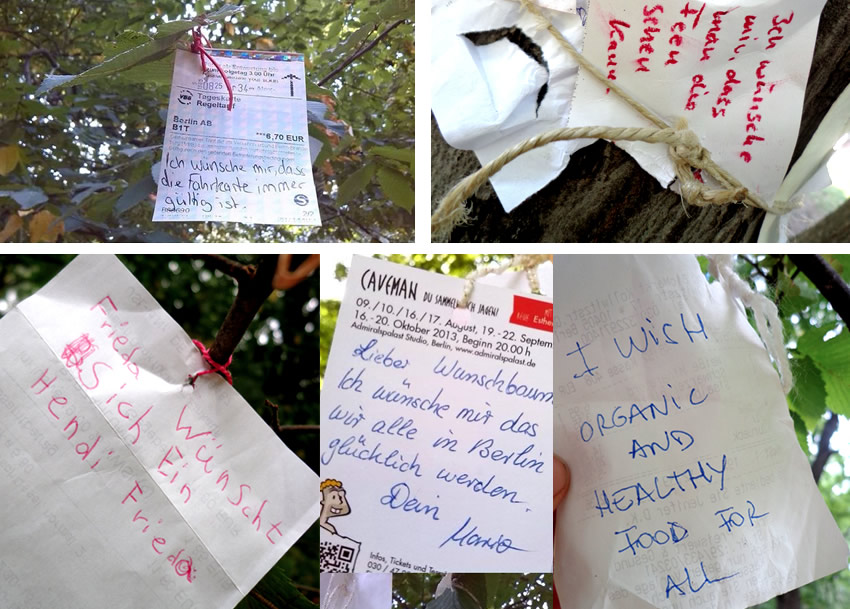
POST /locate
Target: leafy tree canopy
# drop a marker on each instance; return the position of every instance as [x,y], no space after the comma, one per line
[78,155]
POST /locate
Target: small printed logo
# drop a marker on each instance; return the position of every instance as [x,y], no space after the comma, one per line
[185,97]
[301,200]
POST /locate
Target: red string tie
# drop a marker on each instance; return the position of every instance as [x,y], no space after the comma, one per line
[198,40]
[214,365]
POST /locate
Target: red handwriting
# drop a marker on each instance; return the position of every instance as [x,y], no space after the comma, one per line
[749,21]
[678,28]
[753,118]
[178,458]
[651,28]
[616,29]
[723,98]
[103,305]
[84,449]
[775,33]
[183,568]
[711,37]
[697,82]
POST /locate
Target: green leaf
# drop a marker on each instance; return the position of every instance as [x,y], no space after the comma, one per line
[26,198]
[808,398]
[801,432]
[405,155]
[832,358]
[397,187]
[355,183]
[135,194]
[152,50]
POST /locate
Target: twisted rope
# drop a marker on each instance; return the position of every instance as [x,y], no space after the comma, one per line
[684,147]
[526,262]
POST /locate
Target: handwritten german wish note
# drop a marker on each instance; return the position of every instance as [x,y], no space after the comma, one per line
[249,164]
[689,488]
[436,443]
[122,486]
[736,71]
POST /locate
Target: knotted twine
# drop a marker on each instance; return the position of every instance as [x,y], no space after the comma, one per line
[526,262]
[764,311]
[684,148]
[214,365]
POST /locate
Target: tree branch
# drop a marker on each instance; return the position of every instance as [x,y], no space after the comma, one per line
[357,54]
[824,451]
[827,281]
[252,293]
[240,272]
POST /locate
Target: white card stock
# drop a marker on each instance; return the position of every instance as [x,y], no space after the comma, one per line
[436,426]
[122,486]
[689,488]
[736,71]
[248,164]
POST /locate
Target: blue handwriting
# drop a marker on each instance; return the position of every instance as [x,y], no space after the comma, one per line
[348,417]
[648,334]
[736,519]
[706,580]
[478,485]
[366,353]
[625,498]
[485,450]
[399,499]
[678,436]
[356,447]
[471,538]
[510,387]
[646,539]
[636,413]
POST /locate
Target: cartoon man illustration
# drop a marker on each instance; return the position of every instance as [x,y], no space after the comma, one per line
[333,503]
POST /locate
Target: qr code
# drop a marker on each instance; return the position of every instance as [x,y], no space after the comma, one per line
[336,558]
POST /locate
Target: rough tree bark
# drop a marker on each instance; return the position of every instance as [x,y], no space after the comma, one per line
[604,195]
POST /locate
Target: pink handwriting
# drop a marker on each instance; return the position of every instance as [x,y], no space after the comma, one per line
[84,449]
[183,568]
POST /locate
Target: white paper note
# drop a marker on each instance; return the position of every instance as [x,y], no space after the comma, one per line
[360,590]
[737,71]
[251,164]
[436,426]
[485,98]
[689,488]
[121,485]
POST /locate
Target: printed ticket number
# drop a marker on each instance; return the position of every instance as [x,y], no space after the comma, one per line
[122,486]
[250,164]
[689,488]
[436,426]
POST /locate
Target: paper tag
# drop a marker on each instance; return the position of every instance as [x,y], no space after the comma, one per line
[251,164]
[126,486]
[682,452]
[736,73]
[435,428]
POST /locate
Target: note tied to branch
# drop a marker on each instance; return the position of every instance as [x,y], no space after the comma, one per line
[436,443]
[251,164]
[689,488]
[736,71]
[121,485]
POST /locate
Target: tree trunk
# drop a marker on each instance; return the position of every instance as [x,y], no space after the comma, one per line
[835,227]
[604,195]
